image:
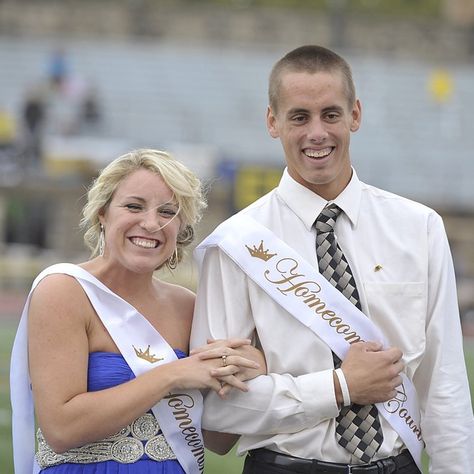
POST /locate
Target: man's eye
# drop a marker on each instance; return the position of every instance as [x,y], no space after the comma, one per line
[332,117]
[299,118]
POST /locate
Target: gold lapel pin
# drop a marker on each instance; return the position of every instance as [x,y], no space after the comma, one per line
[378,267]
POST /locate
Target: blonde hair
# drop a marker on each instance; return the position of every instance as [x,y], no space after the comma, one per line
[184,184]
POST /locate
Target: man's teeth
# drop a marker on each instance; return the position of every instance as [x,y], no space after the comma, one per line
[145,243]
[318,153]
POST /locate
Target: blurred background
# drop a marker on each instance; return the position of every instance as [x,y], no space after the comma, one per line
[83,81]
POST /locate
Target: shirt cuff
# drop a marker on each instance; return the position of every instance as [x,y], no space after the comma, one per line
[318,395]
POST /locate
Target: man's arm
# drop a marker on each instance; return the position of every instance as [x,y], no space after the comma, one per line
[441,380]
[275,403]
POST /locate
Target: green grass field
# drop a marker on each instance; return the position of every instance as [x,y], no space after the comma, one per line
[229,464]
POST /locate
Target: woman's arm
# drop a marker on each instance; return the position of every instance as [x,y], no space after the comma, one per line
[67,413]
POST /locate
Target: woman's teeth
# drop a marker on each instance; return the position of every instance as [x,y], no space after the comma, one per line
[144,243]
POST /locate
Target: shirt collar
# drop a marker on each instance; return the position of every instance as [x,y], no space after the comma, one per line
[308,205]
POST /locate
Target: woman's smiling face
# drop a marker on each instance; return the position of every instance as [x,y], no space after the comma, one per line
[141,223]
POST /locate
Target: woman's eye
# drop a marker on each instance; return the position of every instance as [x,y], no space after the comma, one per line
[168,212]
[133,207]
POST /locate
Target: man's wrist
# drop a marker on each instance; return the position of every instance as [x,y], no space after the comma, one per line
[344,389]
[337,390]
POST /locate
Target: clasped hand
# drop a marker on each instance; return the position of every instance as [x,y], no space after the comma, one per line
[231,362]
[372,373]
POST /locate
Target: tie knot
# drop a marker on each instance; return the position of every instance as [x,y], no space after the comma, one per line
[327,219]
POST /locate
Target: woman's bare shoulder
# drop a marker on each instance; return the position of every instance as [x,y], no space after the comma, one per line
[57,294]
[175,290]
[179,295]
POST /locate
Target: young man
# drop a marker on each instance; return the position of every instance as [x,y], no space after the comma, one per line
[359,379]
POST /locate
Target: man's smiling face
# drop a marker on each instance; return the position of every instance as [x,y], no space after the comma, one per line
[314,121]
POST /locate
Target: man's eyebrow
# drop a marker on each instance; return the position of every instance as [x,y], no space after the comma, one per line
[333,108]
[330,108]
[297,110]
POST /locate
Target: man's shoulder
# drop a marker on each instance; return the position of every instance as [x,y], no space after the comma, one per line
[260,205]
[258,211]
[390,200]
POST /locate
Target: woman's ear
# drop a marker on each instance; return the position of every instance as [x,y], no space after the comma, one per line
[101,216]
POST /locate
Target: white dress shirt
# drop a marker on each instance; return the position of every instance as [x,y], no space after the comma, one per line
[399,255]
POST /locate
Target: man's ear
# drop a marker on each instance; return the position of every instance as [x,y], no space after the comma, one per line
[356,116]
[271,123]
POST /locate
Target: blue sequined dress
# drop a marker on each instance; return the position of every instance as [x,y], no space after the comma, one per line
[107,370]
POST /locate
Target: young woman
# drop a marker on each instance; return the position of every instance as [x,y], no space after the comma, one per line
[103,344]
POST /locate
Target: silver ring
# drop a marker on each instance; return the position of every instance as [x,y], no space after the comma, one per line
[224,361]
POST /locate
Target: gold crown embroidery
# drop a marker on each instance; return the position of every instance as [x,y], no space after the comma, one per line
[258,252]
[145,355]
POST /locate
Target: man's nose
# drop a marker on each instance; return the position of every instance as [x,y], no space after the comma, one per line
[317,131]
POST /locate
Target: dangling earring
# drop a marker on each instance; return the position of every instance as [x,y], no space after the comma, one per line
[172,262]
[101,241]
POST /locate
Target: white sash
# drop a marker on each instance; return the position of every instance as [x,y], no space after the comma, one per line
[143,348]
[301,290]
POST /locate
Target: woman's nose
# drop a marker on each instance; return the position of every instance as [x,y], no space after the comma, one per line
[151,222]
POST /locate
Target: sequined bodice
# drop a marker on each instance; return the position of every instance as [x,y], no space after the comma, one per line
[141,441]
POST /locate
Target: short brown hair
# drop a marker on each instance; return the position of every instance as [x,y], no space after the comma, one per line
[311,59]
